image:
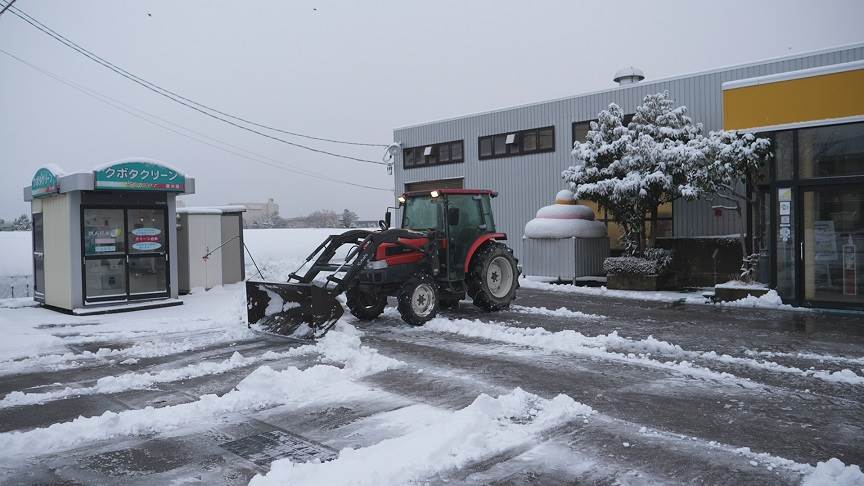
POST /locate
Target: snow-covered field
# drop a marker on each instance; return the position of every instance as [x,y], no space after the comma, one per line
[569,386]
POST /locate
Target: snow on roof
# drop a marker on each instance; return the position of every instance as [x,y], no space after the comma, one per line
[56,169]
[788,75]
[211,210]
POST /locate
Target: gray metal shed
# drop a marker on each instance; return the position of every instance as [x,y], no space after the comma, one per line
[210,246]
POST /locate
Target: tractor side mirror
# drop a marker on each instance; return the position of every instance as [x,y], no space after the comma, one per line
[453,216]
[384,224]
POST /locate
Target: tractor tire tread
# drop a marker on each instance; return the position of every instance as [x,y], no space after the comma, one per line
[475,281]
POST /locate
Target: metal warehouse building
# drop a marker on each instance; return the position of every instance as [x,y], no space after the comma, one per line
[809,241]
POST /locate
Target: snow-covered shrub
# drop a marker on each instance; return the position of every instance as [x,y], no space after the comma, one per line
[629,265]
[660,156]
[656,261]
[661,257]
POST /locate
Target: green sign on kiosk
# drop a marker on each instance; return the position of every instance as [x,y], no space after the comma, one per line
[44,183]
[140,176]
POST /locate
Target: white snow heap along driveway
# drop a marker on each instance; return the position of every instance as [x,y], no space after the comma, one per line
[263,388]
[631,350]
[483,429]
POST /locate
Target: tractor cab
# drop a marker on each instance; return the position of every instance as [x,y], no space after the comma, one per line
[459,217]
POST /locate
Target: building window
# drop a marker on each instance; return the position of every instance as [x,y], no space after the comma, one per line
[523,142]
[434,154]
[457,183]
[580,128]
[831,151]
[664,223]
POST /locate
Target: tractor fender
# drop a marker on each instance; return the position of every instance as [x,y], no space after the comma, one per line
[480,241]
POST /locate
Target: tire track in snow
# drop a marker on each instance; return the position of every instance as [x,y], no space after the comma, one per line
[147,349]
[146,380]
[639,351]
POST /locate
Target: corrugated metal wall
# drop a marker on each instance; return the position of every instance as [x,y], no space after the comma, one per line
[527,182]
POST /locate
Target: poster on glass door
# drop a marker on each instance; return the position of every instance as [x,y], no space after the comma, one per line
[146,239]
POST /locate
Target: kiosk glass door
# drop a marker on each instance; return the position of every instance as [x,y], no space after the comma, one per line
[104,255]
[148,262]
[125,254]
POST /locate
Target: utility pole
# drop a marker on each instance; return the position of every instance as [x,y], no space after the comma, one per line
[7,6]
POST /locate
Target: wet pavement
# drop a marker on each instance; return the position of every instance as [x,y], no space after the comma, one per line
[679,425]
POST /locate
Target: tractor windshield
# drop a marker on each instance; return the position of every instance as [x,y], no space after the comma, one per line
[422,213]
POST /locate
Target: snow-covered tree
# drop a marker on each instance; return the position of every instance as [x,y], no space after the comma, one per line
[725,167]
[348,218]
[22,223]
[631,170]
[660,156]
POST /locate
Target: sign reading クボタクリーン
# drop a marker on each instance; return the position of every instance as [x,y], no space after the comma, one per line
[44,183]
[140,176]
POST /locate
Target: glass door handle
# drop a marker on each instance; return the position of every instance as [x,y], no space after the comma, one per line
[802,251]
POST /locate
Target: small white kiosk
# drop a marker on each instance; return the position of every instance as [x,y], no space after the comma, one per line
[105,240]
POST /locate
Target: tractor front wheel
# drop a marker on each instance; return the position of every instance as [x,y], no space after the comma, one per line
[493,277]
[418,299]
[366,306]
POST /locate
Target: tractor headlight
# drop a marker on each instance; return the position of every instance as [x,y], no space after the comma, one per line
[434,193]
[377,264]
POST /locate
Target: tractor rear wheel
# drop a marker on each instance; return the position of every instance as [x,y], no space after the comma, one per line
[493,277]
[418,299]
[366,306]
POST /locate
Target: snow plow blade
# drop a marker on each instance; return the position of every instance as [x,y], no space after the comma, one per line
[295,310]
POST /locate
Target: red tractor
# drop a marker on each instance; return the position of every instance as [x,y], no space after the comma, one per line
[446,248]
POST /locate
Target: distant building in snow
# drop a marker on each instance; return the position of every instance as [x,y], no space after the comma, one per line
[258,214]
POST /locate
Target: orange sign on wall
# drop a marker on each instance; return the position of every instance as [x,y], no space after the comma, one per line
[765,102]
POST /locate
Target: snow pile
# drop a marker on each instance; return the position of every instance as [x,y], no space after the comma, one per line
[141,381]
[559,312]
[573,342]
[737,284]
[834,473]
[768,300]
[20,340]
[487,427]
[263,388]
[565,219]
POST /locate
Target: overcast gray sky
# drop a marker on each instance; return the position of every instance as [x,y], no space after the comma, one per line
[347,70]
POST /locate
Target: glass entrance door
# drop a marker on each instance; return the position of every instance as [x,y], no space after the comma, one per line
[833,245]
[125,254]
[104,255]
[147,253]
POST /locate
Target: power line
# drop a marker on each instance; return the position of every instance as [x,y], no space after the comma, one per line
[103,60]
[7,6]
[168,94]
[119,105]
